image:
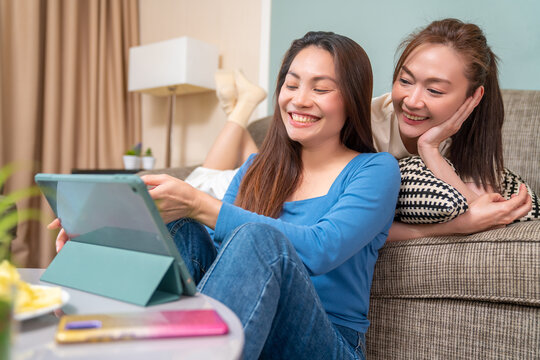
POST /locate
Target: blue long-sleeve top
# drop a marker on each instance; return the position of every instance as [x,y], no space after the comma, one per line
[338,235]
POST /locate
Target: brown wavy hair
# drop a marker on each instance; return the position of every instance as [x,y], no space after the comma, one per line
[476,149]
[277,169]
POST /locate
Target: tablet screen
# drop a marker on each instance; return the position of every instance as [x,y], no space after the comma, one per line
[106,212]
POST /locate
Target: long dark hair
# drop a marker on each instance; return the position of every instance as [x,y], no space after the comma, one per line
[476,149]
[276,171]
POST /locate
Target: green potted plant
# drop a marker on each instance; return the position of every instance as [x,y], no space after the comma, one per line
[148,160]
[132,158]
[9,217]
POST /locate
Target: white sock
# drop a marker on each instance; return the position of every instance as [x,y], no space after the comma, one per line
[226,90]
[249,96]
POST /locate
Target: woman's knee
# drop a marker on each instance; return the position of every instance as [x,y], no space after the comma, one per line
[184,225]
[261,238]
[191,238]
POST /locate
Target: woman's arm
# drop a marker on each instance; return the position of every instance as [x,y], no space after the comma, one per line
[176,199]
[429,142]
[436,163]
[361,211]
[486,212]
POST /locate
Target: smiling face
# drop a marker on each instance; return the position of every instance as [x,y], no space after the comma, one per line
[431,86]
[310,100]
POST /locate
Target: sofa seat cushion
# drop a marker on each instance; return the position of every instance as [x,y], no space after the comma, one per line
[500,265]
[451,329]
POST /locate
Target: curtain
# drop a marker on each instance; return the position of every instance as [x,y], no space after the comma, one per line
[63,98]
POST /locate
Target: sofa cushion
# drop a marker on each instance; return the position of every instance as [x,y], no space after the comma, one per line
[500,265]
[452,329]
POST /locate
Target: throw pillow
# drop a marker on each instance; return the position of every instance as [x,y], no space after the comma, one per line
[425,199]
[510,185]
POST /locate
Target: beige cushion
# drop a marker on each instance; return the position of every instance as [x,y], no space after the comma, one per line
[498,265]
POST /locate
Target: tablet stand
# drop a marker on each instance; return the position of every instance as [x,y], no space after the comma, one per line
[136,277]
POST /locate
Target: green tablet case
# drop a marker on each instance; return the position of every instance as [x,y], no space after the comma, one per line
[131,276]
[121,249]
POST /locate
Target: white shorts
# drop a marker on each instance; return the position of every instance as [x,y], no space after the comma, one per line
[211,181]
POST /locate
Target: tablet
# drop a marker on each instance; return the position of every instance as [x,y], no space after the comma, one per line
[111,211]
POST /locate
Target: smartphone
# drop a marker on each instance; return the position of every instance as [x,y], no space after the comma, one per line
[140,325]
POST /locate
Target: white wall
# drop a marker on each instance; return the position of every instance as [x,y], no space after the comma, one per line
[512,29]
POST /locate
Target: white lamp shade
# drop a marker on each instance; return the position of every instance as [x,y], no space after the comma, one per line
[184,63]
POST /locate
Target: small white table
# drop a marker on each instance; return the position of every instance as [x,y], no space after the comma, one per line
[34,338]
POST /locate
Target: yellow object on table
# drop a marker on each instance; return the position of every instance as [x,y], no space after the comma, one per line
[28,297]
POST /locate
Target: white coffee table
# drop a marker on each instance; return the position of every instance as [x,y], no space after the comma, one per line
[34,338]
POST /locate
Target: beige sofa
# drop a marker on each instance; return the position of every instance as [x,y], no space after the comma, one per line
[467,297]
[462,297]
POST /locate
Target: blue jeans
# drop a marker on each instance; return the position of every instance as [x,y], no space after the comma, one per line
[259,276]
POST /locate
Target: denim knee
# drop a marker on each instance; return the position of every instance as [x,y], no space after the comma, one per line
[176,225]
[265,238]
[194,245]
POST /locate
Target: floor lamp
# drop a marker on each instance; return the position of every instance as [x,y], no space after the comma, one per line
[172,67]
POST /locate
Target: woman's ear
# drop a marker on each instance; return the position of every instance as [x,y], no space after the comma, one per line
[478,94]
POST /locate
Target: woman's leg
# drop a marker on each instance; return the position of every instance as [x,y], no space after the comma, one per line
[194,245]
[238,97]
[249,96]
[226,90]
[231,148]
[248,147]
[258,275]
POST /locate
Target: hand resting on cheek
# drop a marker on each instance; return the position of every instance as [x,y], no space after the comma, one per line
[436,135]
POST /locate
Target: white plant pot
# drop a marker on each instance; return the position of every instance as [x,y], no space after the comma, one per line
[148,162]
[132,162]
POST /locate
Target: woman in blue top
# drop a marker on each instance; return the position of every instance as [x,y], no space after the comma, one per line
[298,232]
